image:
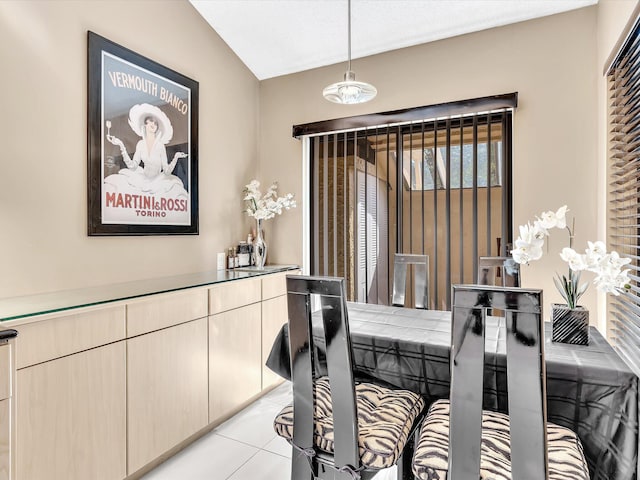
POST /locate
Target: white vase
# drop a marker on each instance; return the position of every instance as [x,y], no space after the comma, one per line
[260,247]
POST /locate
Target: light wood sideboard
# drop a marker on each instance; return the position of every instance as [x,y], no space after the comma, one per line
[107,391]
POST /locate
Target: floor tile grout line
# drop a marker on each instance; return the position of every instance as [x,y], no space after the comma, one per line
[276,453]
[248,459]
[245,443]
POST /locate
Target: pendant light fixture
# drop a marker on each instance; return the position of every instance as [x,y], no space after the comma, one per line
[349,91]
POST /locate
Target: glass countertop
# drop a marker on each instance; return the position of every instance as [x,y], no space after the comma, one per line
[29,305]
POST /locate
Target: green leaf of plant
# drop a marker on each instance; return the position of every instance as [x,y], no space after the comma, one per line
[561,286]
[582,289]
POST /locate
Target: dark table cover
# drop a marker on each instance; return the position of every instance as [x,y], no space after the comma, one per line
[589,388]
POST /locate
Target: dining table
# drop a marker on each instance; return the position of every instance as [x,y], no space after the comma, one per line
[590,389]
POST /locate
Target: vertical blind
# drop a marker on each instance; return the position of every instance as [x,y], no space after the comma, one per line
[438,187]
[623,79]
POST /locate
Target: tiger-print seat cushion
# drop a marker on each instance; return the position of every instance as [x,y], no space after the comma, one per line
[566,457]
[385,418]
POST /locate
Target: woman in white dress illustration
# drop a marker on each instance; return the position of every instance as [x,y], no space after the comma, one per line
[156,177]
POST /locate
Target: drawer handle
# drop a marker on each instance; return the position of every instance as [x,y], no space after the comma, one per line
[6,335]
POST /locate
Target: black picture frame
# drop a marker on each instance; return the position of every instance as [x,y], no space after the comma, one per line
[148,183]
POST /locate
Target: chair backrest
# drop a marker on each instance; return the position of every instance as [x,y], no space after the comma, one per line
[526,379]
[501,271]
[335,325]
[421,279]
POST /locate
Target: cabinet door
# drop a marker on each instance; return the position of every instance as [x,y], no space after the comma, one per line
[166,390]
[7,412]
[6,440]
[274,315]
[235,370]
[71,417]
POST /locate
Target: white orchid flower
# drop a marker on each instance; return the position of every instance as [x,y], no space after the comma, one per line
[550,219]
[520,255]
[526,252]
[547,220]
[605,283]
[561,217]
[530,235]
[264,207]
[617,261]
[574,259]
[528,244]
[596,249]
[539,230]
[622,279]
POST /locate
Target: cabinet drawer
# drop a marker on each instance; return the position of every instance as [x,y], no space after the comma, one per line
[59,336]
[237,293]
[161,311]
[276,284]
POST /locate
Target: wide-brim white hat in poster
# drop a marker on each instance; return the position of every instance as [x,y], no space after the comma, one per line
[139,113]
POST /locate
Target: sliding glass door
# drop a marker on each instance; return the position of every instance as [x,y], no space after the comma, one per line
[455,201]
[437,187]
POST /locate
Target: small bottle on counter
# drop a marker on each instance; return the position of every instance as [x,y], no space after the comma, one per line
[236,259]
[231,261]
[243,254]
[252,260]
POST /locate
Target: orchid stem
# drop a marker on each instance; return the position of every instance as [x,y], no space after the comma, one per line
[571,232]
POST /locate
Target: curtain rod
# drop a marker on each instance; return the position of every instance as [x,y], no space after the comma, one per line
[507,100]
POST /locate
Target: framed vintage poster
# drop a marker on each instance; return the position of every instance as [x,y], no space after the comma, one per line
[143,145]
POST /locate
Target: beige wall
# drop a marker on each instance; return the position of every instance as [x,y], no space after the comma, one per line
[43,202]
[551,62]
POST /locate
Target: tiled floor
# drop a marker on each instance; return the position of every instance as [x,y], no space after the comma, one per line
[243,448]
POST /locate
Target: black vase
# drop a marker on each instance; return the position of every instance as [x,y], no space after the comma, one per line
[569,325]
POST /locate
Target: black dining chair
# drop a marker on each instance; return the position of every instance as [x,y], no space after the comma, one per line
[461,441]
[338,429]
[420,263]
[501,271]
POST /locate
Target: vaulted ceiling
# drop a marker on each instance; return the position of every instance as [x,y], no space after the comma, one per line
[278,37]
